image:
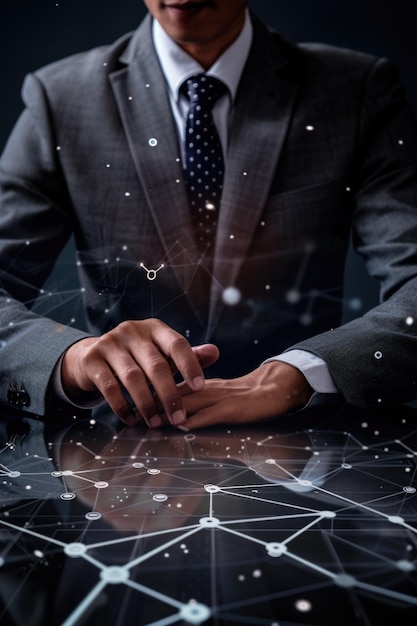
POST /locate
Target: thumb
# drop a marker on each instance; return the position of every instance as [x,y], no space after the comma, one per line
[206,353]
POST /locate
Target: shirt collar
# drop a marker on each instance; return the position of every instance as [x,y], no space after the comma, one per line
[177,65]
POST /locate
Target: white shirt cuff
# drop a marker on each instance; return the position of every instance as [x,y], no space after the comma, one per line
[311,366]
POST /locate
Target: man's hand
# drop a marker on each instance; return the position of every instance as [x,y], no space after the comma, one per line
[136,355]
[271,390]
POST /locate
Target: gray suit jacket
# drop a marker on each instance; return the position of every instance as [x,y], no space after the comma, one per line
[321,143]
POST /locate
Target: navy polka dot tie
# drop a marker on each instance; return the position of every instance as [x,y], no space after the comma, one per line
[204,166]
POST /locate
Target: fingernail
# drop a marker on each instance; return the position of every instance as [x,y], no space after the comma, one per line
[155,421]
[177,418]
[183,428]
[198,382]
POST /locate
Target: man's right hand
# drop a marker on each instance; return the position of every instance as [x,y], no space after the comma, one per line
[137,356]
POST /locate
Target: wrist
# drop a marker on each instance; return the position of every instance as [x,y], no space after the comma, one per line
[290,385]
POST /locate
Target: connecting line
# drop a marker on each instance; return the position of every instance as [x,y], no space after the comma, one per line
[159,533]
[257,499]
[300,531]
[225,526]
[355,584]
[161,548]
[171,619]
[396,595]
[368,508]
[27,531]
[311,565]
[271,518]
[154,594]
[83,606]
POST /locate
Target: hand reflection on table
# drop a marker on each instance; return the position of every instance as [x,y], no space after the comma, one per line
[150,480]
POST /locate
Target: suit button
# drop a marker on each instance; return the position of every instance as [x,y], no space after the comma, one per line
[18,397]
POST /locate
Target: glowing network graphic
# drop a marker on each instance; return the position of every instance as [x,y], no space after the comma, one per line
[223,527]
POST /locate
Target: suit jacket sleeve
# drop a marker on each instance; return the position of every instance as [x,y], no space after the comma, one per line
[35,223]
[372,359]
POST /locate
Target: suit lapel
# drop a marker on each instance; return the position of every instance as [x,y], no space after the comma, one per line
[265,98]
[140,92]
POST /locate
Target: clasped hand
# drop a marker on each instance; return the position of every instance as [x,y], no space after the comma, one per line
[133,368]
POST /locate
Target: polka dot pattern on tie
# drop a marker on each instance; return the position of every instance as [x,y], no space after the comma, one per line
[204,157]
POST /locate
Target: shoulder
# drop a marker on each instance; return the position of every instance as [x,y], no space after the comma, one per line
[83,68]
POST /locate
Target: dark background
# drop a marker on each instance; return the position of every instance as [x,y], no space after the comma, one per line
[36,32]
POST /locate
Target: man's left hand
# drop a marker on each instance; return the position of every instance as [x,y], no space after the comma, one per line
[271,390]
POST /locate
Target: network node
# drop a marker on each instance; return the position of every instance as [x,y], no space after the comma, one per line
[212,488]
[160,497]
[195,613]
[209,522]
[276,549]
[93,515]
[115,575]
[75,550]
[344,580]
[395,519]
[68,496]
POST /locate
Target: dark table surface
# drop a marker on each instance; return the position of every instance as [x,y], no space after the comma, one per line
[311,519]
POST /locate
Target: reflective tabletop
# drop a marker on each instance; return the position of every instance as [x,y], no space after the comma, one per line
[298,521]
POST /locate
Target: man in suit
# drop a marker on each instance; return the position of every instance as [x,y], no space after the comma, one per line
[316,141]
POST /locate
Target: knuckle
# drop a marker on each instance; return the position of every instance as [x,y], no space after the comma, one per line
[179,344]
[157,365]
[132,374]
[108,386]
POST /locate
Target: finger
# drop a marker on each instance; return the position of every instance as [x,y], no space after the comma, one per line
[158,373]
[178,350]
[143,402]
[207,354]
[207,417]
[107,384]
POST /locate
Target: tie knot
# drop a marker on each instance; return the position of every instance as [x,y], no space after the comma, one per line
[203,89]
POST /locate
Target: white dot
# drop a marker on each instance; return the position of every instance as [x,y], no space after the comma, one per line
[355,304]
[378,354]
[231,296]
[409,321]
[304,606]
[293,296]
[153,142]
[310,128]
